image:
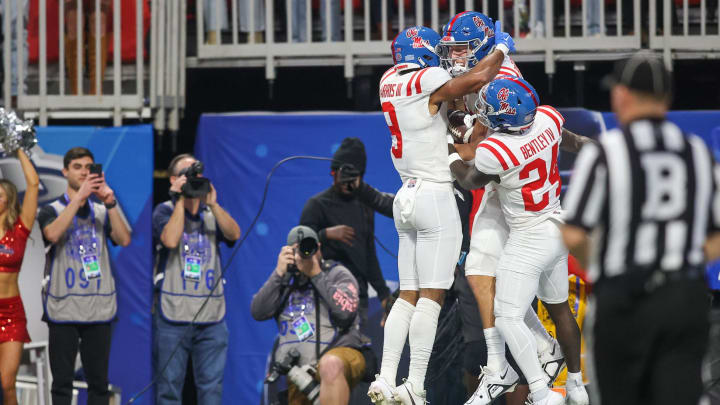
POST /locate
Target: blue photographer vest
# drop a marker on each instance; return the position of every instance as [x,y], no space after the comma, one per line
[180,297]
[68,295]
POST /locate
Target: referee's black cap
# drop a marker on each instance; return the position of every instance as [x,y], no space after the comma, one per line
[643,72]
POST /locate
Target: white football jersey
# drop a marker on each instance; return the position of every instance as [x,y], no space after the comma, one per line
[419,142]
[529,187]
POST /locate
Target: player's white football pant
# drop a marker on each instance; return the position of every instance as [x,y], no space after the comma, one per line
[534,262]
[429,233]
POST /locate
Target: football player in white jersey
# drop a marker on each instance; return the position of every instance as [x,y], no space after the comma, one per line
[521,158]
[412,94]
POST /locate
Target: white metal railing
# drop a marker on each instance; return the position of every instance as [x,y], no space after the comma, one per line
[593,30]
[50,95]
[167,62]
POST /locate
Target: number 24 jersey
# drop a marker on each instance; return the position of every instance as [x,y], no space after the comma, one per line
[530,184]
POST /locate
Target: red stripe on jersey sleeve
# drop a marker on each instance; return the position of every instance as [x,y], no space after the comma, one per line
[418,89]
[506,149]
[507,72]
[496,153]
[552,116]
[409,86]
[557,113]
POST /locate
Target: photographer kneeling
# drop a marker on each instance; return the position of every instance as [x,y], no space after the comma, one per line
[315,303]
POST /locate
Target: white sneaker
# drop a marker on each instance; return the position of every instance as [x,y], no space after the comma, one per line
[576,395]
[406,395]
[552,361]
[552,398]
[381,393]
[493,385]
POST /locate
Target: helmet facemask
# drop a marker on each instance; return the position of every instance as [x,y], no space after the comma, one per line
[458,65]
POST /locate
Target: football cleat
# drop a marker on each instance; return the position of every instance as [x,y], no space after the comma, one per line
[493,384]
[381,393]
[552,398]
[552,361]
[406,395]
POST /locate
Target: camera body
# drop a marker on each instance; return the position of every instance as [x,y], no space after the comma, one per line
[307,246]
[196,185]
[302,376]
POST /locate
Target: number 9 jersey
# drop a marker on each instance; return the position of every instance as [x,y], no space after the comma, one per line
[419,141]
[530,184]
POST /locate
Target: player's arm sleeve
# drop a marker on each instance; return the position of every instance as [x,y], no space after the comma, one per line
[339,289]
[377,200]
[268,300]
[586,197]
[313,217]
[430,79]
[556,119]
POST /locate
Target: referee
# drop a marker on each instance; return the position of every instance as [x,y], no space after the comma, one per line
[649,195]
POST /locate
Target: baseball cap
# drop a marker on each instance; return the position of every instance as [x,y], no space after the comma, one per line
[643,72]
[306,238]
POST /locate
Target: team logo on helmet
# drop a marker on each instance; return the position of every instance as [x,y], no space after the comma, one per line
[478,22]
[420,43]
[503,94]
[411,32]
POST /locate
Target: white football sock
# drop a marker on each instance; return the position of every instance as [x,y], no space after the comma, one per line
[496,349]
[574,379]
[422,337]
[542,338]
[396,329]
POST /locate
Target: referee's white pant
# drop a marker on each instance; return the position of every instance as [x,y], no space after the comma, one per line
[534,262]
[429,232]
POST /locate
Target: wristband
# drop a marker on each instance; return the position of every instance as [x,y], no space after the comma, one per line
[503,48]
[111,205]
[453,157]
[450,139]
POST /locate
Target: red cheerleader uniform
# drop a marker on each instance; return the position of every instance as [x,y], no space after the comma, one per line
[13,324]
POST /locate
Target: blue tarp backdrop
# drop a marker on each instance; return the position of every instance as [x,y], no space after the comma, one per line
[240,149]
[126,154]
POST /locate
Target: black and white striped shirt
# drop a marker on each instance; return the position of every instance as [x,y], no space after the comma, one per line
[650,193]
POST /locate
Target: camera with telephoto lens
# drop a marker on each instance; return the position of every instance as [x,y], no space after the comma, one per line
[307,246]
[196,185]
[302,376]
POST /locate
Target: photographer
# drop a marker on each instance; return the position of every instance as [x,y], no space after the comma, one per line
[315,303]
[343,218]
[79,287]
[187,231]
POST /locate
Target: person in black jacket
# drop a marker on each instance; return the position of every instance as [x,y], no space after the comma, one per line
[343,217]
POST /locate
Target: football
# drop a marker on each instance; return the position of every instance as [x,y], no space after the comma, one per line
[457,126]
